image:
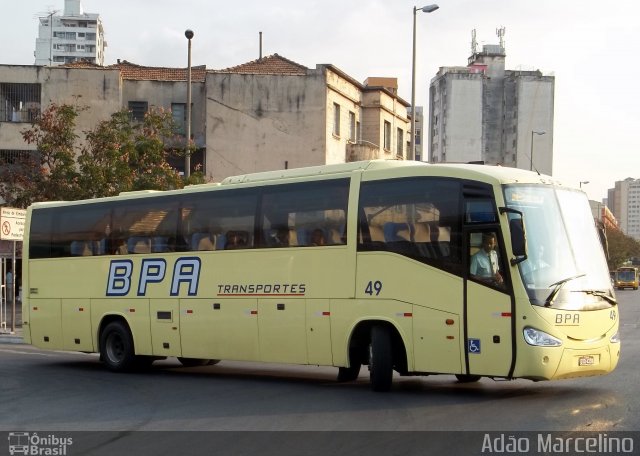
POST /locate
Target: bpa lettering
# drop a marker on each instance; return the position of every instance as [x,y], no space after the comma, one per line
[567,319]
[153,270]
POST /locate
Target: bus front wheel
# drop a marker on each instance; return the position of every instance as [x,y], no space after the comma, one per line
[380,359]
[116,347]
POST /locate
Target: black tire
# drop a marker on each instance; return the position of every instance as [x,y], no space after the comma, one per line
[380,359]
[196,362]
[349,374]
[116,347]
[467,378]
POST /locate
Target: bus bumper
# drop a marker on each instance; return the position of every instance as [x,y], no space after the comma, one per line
[558,363]
[585,363]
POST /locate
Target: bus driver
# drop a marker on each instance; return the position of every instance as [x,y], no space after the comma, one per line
[484,263]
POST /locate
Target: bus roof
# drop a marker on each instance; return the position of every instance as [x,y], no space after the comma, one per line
[487,173]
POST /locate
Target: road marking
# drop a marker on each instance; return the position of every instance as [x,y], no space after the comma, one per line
[4,350]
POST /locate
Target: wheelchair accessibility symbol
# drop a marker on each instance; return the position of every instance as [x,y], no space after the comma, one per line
[473,346]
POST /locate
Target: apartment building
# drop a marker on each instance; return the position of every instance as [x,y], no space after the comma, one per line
[624,202]
[483,112]
[74,35]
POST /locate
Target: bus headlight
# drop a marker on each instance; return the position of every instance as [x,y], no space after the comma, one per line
[540,338]
[615,339]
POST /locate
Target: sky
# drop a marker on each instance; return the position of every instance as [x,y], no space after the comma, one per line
[591,47]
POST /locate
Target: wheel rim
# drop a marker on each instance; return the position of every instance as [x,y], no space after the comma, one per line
[115,348]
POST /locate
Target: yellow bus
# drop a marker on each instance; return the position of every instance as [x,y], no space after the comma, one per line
[401,266]
[626,277]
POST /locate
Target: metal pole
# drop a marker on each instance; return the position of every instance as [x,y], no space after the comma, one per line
[531,154]
[3,296]
[14,277]
[424,9]
[51,40]
[187,157]
[413,91]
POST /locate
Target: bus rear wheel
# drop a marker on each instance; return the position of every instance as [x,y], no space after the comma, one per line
[380,359]
[116,347]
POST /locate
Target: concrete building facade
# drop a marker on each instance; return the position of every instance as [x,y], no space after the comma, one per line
[624,202]
[264,115]
[483,112]
[72,36]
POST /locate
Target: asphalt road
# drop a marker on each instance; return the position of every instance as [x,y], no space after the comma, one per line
[60,391]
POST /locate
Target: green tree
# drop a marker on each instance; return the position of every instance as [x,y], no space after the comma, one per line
[118,155]
[122,155]
[621,248]
[50,173]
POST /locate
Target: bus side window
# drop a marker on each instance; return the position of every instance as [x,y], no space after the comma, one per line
[203,241]
[236,239]
[139,244]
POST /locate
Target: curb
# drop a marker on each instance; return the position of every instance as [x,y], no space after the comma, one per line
[11,339]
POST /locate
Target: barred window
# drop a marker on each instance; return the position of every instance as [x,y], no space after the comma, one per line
[138,109]
[19,102]
[14,156]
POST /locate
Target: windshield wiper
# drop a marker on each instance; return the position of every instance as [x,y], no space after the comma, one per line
[559,284]
[599,293]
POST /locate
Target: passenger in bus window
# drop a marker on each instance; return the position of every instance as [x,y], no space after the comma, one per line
[317,237]
[281,237]
[484,263]
[235,240]
[120,247]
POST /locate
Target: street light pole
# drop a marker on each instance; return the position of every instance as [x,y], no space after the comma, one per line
[533,132]
[583,182]
[424,9]
[187,158]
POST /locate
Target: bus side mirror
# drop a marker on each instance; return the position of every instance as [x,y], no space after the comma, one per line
[518,235]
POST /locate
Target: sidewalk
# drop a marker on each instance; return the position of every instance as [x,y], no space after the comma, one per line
[5,334]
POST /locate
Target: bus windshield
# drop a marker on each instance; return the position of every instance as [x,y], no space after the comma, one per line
[566,267]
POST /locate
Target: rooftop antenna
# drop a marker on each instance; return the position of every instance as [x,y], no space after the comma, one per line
[474,42]
[260,55]
[500,32]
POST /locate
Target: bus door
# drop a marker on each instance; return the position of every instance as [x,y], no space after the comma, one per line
[488,305]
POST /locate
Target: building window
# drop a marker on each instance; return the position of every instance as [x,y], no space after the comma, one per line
[15,157]
[336,119]
[352,126]
[400,143]
[387,135]
[418,136]
[19,102]
[138,110]
[179,114]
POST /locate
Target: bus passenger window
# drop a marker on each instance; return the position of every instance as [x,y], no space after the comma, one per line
[317,237]
[236,240]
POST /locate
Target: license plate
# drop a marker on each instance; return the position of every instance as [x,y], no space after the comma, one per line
[586,361]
